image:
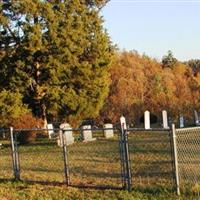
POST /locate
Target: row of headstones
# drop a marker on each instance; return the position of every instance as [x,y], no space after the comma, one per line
[86,133]
[147,124]
[165,120]
[109,133]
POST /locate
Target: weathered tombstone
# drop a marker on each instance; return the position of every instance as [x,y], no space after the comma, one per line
[67,135]
[108,133]
[181,121]
[123,122]
[50,130]
[147,120]
[87,133]
[165,119]
[196,118]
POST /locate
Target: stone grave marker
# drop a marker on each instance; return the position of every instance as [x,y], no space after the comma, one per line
[87,134]
[147,120]
[67,135]
[196,118]
[165,119]
[108,133]
[181,121]
[123,122]
[50,130]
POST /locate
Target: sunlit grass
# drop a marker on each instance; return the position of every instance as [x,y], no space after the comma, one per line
[94,164]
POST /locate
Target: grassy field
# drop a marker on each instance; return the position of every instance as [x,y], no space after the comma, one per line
[22,191]
[151,161]
[93,164]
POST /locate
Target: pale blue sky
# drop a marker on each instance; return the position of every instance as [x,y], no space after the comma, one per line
[153,27]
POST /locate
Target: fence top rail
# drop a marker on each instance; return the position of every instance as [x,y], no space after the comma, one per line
[93,129]
[188,129]
[66,129]
[148,130]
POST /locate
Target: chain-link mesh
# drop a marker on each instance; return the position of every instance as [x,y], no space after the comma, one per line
[188,153]
[6,166]
[151,160]
[41,160]
[95,163]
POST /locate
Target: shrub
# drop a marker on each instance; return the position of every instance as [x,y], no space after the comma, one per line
[11,106]
[26,121]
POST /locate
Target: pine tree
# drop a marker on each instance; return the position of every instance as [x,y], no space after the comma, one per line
[56,53]
[169,61]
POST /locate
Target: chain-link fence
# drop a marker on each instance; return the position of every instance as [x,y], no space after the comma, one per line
[41,159]
[69,157]
[151,158]
[138,158]
[188,154]
[6,164]
[95,162]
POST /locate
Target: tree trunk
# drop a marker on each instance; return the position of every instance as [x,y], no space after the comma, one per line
[44,116]
[39,106]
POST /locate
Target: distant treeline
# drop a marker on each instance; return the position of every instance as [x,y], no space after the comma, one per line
[140,83]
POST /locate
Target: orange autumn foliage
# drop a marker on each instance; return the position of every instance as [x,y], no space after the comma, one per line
[140,83]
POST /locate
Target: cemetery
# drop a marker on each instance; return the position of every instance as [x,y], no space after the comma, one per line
[98,157]
[93,103]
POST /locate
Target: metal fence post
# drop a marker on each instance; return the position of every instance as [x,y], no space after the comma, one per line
[122,152]
[127,159]
[126,156]
[175,158]
[65,156]
[15,157]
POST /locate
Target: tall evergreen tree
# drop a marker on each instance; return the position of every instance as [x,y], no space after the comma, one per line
[168,61]
[56,53]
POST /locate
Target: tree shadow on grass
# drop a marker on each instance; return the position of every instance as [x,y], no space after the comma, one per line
[5,180]
[97,187]
[64,184]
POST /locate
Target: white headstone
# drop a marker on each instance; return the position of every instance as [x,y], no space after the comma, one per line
[87,134]
[165,119]
[196,117]
[50,130]
[108,133]
[123,122]
[181,121]
[147,120]
[67,135]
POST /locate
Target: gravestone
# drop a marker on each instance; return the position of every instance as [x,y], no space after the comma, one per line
[67,135]
[123,122]
[87,134]
[50,130]
[196,118]
[165,119]
[108,133]
[181,121]
[147,120]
